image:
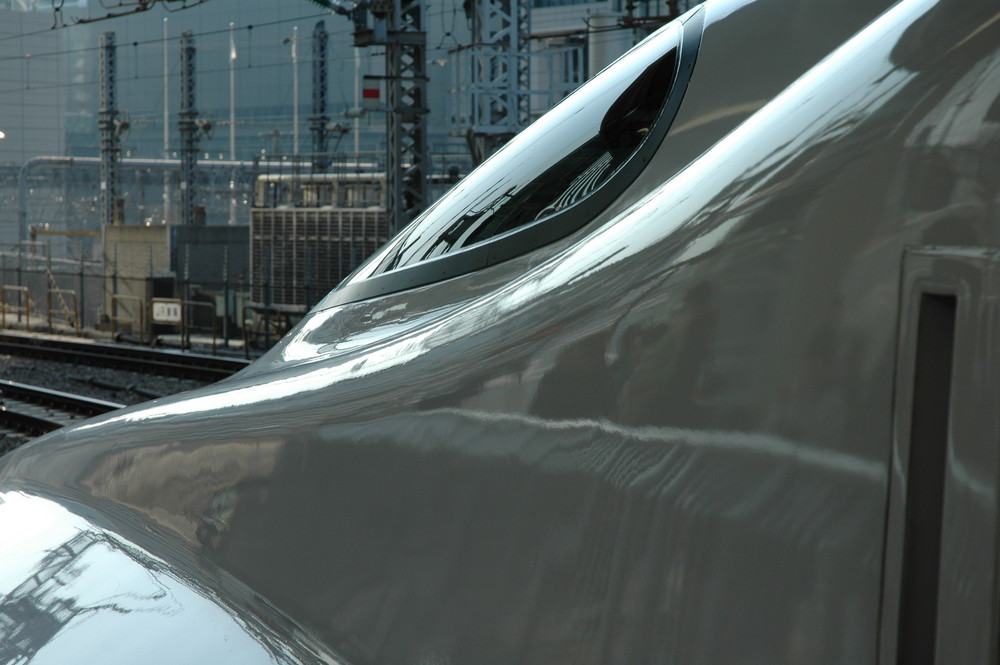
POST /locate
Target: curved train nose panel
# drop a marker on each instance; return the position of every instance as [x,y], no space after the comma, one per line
[72,592]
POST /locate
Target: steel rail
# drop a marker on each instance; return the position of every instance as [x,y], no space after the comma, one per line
[100,354]
[35,410]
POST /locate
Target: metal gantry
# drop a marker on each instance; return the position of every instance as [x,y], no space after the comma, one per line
[399,25]
[109,126]
[319,118]
[190,128]
[406,79]
[501,66]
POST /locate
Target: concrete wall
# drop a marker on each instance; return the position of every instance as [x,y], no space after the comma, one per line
[132,255]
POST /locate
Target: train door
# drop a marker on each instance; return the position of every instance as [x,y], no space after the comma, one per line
[939,596]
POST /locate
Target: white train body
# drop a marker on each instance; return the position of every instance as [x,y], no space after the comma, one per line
[737,405]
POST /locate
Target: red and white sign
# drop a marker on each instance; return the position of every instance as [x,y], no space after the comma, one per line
[371,93]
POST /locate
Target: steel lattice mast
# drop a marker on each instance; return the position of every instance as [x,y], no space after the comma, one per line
[399,25]
[406,96]
[501,66]
[108,124]
[188,128]
[319,118]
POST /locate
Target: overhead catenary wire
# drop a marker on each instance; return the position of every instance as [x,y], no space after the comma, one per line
[145,50]
[339,60]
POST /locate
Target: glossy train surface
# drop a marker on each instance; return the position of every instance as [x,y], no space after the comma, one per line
[736,404]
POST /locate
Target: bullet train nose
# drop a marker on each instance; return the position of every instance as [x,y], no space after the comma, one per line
[716,390]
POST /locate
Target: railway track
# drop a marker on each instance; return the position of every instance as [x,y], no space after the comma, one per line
[28,411]
[33,411]
[152,361]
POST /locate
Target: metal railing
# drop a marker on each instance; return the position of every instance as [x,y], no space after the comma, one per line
[23,306]
[72,318]
[186,324]
[117,318]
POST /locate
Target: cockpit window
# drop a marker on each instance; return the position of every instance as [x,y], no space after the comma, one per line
[551,179]
[520,187]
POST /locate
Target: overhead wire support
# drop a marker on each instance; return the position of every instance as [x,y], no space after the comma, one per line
[501,70]
[319,118]
[399,25]
[187,125]
[110,127]
[122,8]
[407,161]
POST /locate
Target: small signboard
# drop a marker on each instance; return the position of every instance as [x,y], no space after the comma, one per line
[167,310]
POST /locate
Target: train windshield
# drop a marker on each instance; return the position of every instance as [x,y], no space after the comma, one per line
[552,169]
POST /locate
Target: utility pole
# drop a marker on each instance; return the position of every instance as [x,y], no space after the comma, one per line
[399,26]
[501,66]
[295,90]
[110,126]
[166,126]
[232,93]
[319,118]
[232,127]
[188,127]
[406,120]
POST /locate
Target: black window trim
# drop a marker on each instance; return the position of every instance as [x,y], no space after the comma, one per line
[524,239]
